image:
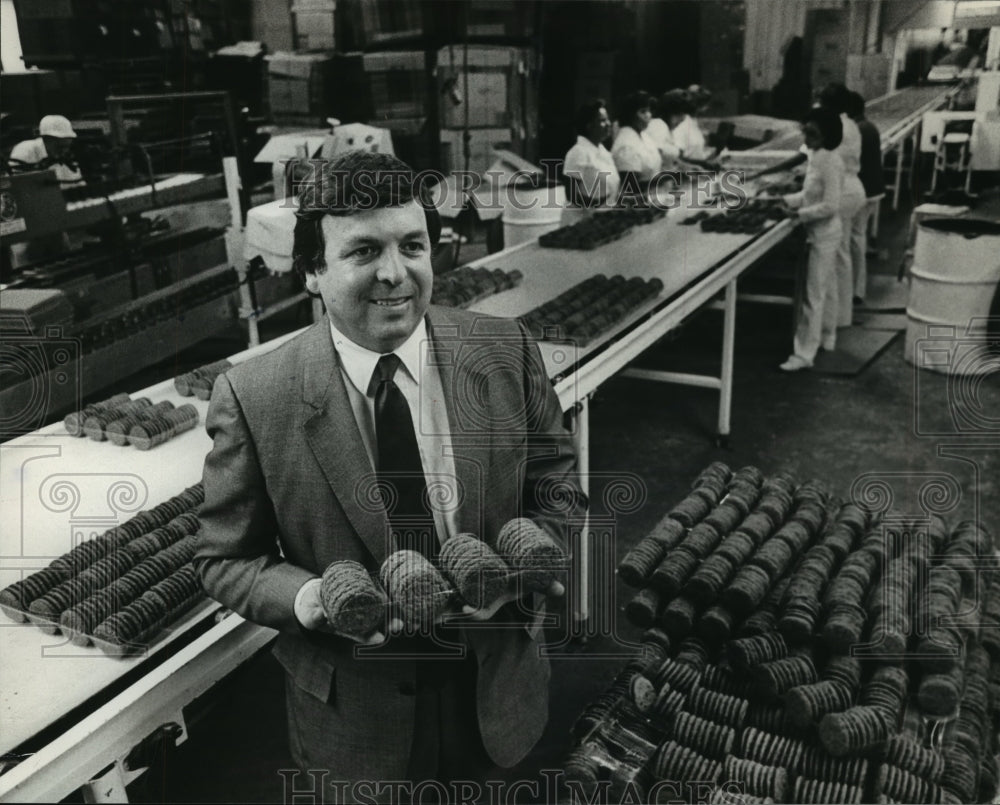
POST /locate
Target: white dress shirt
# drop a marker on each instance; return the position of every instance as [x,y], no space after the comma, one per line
[634,152]
[593,166]
[420,382]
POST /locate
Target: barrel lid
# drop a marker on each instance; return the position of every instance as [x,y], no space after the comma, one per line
[966,227]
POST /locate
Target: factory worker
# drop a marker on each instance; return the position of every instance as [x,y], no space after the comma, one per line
[634,152]
[673,109]
[853,204]
[818,207]
[670,111]
[589,168]
[873,180]
[687,134]
[52,147]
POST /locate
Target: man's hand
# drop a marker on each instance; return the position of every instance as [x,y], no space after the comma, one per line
[309,612]
[555,590]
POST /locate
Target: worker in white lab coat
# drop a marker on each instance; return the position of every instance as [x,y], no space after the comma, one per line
[589,169]
[634,152]
[853,202]
[818,206]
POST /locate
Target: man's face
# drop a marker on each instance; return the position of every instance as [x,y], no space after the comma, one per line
[378,277]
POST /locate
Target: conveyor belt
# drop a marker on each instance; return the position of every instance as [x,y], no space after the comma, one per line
[893,114]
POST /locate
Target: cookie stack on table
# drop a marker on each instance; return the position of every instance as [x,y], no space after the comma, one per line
[800,649]
[122,420]
[120,589]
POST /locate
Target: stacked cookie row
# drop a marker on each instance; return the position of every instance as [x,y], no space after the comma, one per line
[466,285]
[198,382]
[122,420]
[120,588]
[590,308]
[836,651]
[469,571]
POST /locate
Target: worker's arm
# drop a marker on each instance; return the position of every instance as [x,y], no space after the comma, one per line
[784,165]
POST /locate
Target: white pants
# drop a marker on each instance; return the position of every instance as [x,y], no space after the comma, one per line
[853,223]
[817,314]
[859,249]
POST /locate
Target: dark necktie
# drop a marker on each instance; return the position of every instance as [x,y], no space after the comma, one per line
[400,472]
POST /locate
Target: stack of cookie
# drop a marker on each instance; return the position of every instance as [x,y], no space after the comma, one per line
[120,588]
[198,382]
[852,673]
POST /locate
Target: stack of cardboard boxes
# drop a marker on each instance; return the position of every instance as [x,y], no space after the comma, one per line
[313,24]
[490,91]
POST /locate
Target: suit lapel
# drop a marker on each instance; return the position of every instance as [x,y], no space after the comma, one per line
[333,436]
[470,450]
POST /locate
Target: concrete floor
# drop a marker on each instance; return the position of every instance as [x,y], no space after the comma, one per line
[836,429]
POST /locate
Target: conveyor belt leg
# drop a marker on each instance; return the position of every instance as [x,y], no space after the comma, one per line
[728,348]
[580,589]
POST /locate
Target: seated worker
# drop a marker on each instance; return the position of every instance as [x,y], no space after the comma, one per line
[634,152]
[591,175]
[660,129]
[52,148]
[687,133]
[666,130]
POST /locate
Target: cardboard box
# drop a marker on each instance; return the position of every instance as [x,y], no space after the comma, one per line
[489,81]
[513,18]
[380,22]
[314,27]
[298,82]
[398,84]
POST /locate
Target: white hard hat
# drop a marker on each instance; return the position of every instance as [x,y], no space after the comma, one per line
[55,126]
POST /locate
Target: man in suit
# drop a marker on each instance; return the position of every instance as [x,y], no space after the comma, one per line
[301,445]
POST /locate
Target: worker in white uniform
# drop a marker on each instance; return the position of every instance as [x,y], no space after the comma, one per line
[818,207]
[50,149]
[669,112]
[853,203]
[634,152]
[589,169]
[688,134]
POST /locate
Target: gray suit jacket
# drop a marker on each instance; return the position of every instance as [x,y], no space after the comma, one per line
[287,492]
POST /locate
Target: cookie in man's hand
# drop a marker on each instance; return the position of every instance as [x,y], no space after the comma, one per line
[531,552]
[475,570]
[415,586]
[354,604]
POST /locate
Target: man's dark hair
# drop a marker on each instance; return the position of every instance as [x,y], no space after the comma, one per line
[674,102]
[630,105]
[347,185]
[585,114]
[834,96]
[855,106]
[829,125]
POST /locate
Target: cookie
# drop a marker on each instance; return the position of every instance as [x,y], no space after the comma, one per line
[531,553]
[415,587]
[474,570]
